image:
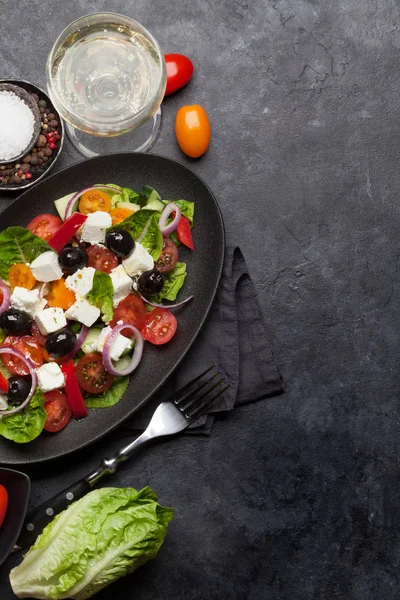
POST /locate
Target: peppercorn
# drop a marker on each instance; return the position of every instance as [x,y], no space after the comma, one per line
[48,151]
[41,141]
[42,103]
[27,159]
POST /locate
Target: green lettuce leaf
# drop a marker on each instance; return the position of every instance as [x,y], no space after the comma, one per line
[101,295]
[173,281]
[107,534]
[143,227]
[19,245]
[25,425]
[2,335]
[125,195]
[187,208]
[112,396]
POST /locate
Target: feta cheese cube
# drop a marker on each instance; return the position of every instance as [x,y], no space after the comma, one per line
[27,300]
[3,402]
[122,284]
[83,311]
[119,345]
[81,282]
[50,320]
[94,228]
[46,268]
[138,261]
[50,377]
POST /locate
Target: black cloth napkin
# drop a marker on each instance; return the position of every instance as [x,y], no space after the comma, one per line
[234,337]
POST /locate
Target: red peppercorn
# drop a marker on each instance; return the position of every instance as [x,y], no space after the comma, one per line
[52,146]
[19,173]
[28,175]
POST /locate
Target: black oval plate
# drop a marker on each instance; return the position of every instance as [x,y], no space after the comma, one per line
[174,181]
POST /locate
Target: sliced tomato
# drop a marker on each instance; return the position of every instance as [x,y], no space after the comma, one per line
[20,275]
[169,256]
[3,503]
[160,326]
[3,384]
[94,200]
[44,226]
[74,394]
[91,374]
[37,334]
[59,295]
[184,233]
[101,258]
[120,214]
[29,347]
[58,410]
[66,231]
[131,310]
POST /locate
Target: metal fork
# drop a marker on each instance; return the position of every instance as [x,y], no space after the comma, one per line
[183,408]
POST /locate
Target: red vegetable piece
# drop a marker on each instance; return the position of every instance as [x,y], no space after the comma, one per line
[3,503]
[179,72]
[184,233]
[73,391]
[3,384]
[66,231]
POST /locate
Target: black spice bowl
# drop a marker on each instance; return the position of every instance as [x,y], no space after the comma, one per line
[18,486]
[27,178]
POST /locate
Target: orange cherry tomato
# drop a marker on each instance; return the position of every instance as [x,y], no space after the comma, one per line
[20,275]
[192,129]
[59,295]
[94,200]
[120,214]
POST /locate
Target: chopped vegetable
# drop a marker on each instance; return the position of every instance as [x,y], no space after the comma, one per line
[59,295]
[58,411]
[4,297]
[160,326]
[44,226]
[25,425]
[66,231]
[18,245]
[3,504]
[120,214]
[20,275]
[94,200]
[101,294]
[3,384]
[184,233]
[74,394]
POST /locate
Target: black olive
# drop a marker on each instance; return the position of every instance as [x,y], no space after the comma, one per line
[16,322]
[72,258]
[151,282]
[18,389]
[60,343]
[120,242]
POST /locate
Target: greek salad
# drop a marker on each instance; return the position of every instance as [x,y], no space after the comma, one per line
[81,294]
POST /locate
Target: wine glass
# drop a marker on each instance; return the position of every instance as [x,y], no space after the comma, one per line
[106,77]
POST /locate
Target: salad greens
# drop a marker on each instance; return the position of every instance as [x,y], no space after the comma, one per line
[101,294]
[19,245]
[112,396]
[143,227]
[25,425]
[105,535]
[173,281]
[187,208]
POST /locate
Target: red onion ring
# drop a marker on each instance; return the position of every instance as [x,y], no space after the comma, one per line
[70,206]
[5,304]
[168,229]
[79,341]
[181,303]
[137,352]
[32,373]
[43,290]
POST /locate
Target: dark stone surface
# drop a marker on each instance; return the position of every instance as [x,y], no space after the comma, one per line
[296,497]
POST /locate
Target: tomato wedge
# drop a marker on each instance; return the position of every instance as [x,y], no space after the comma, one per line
[58,411]
[3,503]
[29,347]
[130,310]
[101,258]
[3,384]
[120,214]
[184,233]
[94,200]
[20,275]
[160,326]
[59,295]
[74,394]
[168,258]
[66,231]
[92,375]
[44,226]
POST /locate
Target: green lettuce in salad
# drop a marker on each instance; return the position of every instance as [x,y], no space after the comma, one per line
[25,425]
[112,396]
[173,281]
[105,535]
[143,227]
[125,194]
[101,294]
[187,208]
[19,245]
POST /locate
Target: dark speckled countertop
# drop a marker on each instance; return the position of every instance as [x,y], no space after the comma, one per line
[296,498]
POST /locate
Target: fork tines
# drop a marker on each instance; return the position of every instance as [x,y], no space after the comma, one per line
[194,398]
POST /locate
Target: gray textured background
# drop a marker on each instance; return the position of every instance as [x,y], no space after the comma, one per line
[297,497]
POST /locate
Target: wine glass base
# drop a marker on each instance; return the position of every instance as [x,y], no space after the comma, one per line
[139,140]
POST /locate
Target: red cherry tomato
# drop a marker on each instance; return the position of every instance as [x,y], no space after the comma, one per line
[130,310]
[30,349]
[192,129]
[37,334]
[101,258]
[91,374]
[44,226]
[3,503]
[179,72]
[58,410]
[169,256]
[160,326]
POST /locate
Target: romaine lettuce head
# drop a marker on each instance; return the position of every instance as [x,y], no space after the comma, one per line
[105,535]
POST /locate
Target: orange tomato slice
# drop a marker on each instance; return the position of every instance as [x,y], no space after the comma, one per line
[94,200]
[20,275]
[59,295]
[120,214]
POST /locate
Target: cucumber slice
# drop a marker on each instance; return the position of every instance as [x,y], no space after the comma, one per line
[128,205]
[147,194]
[61,204]
[91,339]
[155,204]
[123,362]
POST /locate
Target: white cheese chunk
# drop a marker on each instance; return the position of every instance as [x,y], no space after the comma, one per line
[138,261]
[3,402]
[46,268]
[83,311]
[50,320]
[119,345]
[27,300]
[122,284]
[81,282]
[94,228]
[50,377]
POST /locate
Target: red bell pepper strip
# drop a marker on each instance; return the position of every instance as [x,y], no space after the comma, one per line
[66,231]
[3,384]
[184,234]
[3,503]
[73,391]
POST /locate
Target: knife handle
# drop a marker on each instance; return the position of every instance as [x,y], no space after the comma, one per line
[41,516]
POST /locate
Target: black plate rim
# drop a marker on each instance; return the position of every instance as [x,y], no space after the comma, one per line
[94,440]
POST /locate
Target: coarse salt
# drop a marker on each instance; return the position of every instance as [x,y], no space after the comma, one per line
[16,125]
